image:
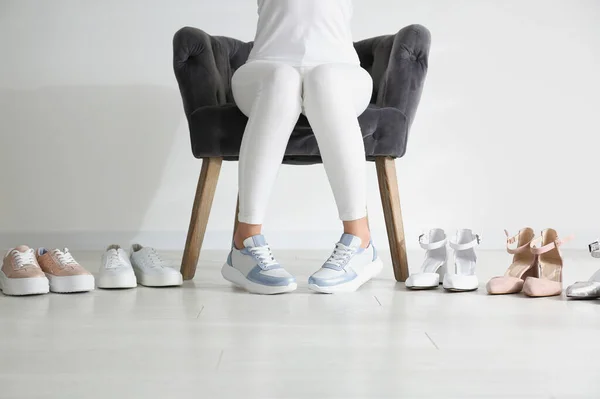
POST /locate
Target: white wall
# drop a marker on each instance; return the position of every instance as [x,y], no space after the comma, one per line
[95,146]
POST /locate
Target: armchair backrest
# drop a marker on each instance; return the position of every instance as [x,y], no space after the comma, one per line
[204,66]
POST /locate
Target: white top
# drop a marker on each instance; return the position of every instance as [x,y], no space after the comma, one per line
[304,32]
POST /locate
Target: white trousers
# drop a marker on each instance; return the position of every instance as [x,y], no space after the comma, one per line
[273,95]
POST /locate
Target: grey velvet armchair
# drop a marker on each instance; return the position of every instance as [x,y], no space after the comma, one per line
[204,66]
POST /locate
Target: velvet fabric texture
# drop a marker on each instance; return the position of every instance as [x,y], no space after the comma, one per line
[204,66]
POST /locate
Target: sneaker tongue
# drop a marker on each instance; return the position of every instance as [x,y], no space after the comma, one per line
[22,248]
[255,241]
[350,241]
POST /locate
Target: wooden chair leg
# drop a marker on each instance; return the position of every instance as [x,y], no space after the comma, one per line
[390,199]
[207,185]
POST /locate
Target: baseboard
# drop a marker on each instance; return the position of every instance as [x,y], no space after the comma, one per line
[221,239]
[167,240]
[98,240]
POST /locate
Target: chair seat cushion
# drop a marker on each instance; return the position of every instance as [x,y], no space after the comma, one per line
[216,131]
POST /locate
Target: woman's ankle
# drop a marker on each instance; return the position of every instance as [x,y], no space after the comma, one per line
[245,231]
[360,229]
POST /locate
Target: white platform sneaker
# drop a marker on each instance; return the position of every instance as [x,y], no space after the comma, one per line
[348,267]
[435,264]
[151,270]
[255,269]
[462,276]
[116,270]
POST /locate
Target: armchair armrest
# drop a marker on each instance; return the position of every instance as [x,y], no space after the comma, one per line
[402,81]
[200,82]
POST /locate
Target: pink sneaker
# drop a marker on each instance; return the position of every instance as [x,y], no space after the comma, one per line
[21,274]
[63,271]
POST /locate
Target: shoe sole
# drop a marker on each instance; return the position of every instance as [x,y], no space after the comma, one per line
[439,278]
[111,282]
[371,270]
[23,286]
[66,284]
[423,287]
[236,277]
[460,283]
[159,281]
[461,289]
[582,297]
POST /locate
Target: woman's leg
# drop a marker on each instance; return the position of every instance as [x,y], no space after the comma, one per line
[334,96]
[270,95]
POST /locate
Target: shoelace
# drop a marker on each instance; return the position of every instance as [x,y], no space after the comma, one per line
[264,256]
[24,258]
[65,258]
[341,254]
[114,260]
[155,261]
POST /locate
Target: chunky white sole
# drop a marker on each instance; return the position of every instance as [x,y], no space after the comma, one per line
[168,280]
[236,277]
[370,271]
[118,281]
[66,284]
[23,286]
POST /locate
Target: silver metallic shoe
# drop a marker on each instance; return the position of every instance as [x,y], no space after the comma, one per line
[587,289]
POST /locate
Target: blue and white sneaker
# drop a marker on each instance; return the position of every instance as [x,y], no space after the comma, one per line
[349,267]
[255,269]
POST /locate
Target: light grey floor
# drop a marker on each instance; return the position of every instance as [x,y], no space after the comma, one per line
[208,340]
